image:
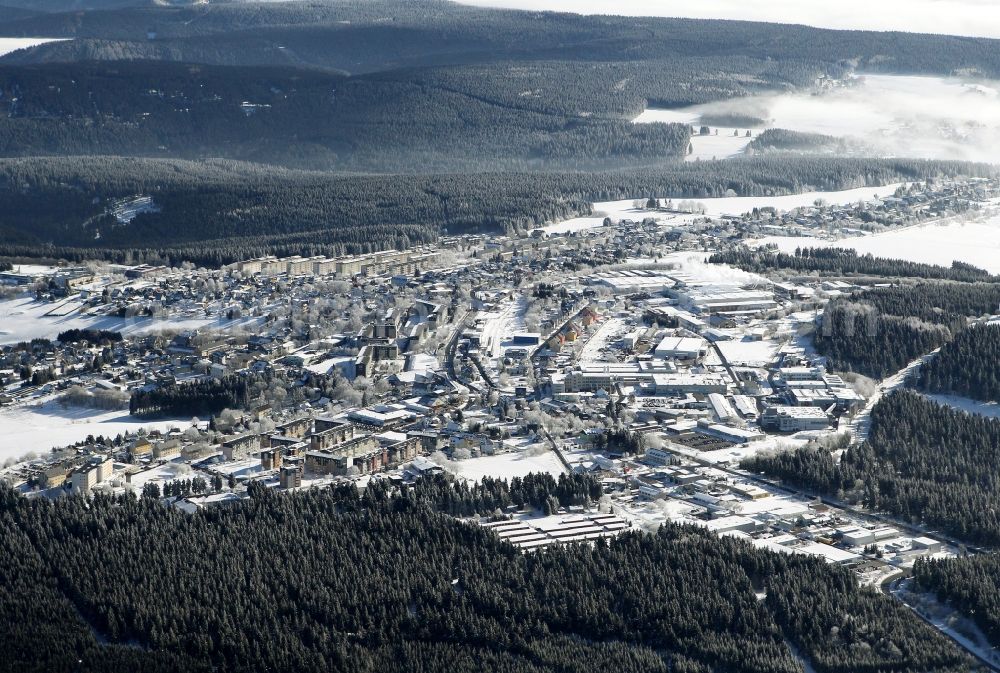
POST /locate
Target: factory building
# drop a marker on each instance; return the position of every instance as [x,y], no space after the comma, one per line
[794,419]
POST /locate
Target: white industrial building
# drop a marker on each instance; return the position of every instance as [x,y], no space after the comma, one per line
[682,384]
[728,300]
[795,419]
[685,349]
[594,376]
[721,407]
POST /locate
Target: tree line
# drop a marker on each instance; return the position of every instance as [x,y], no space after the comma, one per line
[203,397]
[844,261]
[94,336]
[366,36]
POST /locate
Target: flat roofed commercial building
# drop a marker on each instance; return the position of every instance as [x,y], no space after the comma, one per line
[682,384]
[794,419]
[688,349]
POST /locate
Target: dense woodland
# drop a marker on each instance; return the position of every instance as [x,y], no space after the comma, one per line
[922,462]
[967,365]
[368,35]
[843,261]
[218,212]
[878,332]
[197,398]
[309,119]
[971,584]
[783,140]
[385,582]
[94,336]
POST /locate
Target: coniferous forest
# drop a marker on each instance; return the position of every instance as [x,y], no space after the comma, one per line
[878,332]
[336,580]
[844,261]
[198,398]
[922,462]
[971,584]
[967,365]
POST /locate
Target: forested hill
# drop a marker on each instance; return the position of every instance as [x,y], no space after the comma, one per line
[218,212]
[479,89]
[365,35]
[306,119]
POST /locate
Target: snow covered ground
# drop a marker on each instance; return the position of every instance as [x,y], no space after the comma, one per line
[328,365]
[23,319]
[991,409]
[723,142]
[607,333]
[975,18]
[976,243]
[9,44]
[37,429]
[749,353]
[721,145]
[501,326]
[732,205]
[506,465]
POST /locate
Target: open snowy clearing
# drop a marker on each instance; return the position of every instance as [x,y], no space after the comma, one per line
[721,145]
[506,465]
[722,142]
[38,429]
[24,319]
[976,243]
[991,409]
[501,326]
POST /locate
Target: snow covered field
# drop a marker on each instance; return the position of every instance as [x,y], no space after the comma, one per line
[506,465]
[732,205]
[23,319]
[976,243]
[38,429]
[722,143]
[9,44]
[975,18]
